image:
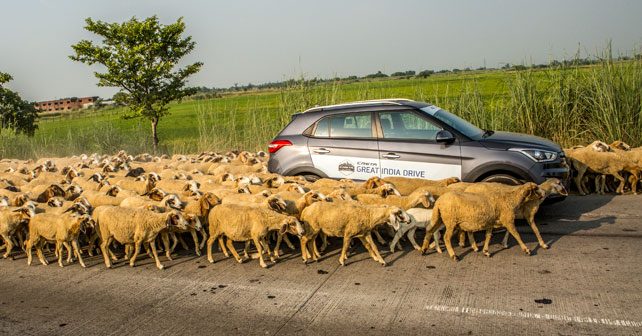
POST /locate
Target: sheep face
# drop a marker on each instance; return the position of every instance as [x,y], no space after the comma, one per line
[554,187]
[295,187]
[451,180]
[388,189]
[339,194]
[314,196]
[276,203]
[74,189]
[192,186]
[4,201]
[175,219]
[428,200]
[374,182]
[26,212]
[293,226]
[265,193]
[153,177]
[620,145]
[55,202]
[397,217]
[209,200]
[84,201]
[194,222]
[244,189]
[20,200]
[113,191]
[275,182]
[156,194]
[600,146]
[97,177]
[173,202]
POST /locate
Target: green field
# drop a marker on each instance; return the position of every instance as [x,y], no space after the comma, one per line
[568,104]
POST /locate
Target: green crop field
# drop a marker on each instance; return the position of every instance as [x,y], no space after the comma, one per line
[569,104]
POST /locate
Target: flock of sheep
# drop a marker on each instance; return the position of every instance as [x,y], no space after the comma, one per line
[92,204]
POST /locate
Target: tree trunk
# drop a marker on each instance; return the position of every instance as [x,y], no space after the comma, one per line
[155,134]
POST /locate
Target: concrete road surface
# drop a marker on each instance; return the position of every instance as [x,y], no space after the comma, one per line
[588,283]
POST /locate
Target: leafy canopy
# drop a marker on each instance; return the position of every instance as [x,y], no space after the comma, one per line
[16,114]
[140,58]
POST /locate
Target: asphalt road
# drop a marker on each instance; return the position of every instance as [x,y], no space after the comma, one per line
[588,283]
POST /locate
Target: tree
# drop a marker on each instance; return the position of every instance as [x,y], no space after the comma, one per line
[141,58]
[16,114]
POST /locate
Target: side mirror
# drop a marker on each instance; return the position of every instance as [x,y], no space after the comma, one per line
[444,136]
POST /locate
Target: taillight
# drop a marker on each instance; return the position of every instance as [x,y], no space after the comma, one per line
[275,145]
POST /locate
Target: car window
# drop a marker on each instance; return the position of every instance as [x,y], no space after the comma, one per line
[353,125]
[407,125]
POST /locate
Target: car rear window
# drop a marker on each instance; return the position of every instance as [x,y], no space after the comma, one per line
[353,125]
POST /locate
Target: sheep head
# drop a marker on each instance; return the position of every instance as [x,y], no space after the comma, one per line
[621,145]
[26,212]
[208,200]
[374,182]
[173,202]
[96,177]
[314,196]
[340,194]
[600,146]
[194,222]
[427,200]
[175,219]
[553,186]
[55,202]
[20,200]
[155,194]
[451,180]
[396,216]
[293,186]
[275,182]
[192,186]
[4,201]
[84,201]
[531,191]
[293,226]
[387,189]
[276,203]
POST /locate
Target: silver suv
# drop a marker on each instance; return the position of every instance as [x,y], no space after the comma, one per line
[399,137]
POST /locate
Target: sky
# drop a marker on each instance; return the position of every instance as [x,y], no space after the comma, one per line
[258,41]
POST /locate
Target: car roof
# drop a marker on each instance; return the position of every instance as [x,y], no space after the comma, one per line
[367,104]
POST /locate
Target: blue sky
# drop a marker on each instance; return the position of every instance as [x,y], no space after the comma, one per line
[258,41]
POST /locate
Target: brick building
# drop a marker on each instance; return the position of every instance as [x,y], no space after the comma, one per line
[66,104]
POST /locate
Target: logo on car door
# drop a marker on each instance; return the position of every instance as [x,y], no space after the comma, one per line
[346,168]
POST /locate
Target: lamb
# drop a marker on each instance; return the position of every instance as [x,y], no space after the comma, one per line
[474,212]
[406,186]
[243,223]
[63,229]
[526,210]
[133,227]
[11,220]
[348,220]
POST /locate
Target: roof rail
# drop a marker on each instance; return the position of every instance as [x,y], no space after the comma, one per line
[388,101]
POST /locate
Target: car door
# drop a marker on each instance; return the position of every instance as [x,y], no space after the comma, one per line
[345,146]
[408,147]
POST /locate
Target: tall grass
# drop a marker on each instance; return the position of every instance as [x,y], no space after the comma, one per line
[568,104]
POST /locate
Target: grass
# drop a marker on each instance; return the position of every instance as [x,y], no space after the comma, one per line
[567,104]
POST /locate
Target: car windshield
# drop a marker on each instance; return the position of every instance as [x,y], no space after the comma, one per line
[461,125]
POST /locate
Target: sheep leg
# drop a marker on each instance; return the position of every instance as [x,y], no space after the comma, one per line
[183,243]
[448,241]
[221,245]
[104,248]
[304,249]
[132,261]
[437,237]
[620,188]
[375,250]
[266,246]
[92,244]
[197,250]
[259,249]
[168,250]
[279,239]
[230,246]
[210,242]
[462,238]
[287,241]
[368,248]
[204,234]
[77,249]
[513,231]
[152,244]
[411,237]
[69,252]
[8,246]
[489,234]
[530,217]
[174,241]
[28,248]
[578,180]
[58,254]
[324,242]
[315,252]
[471,240]
[395,240]
[21,239]
[246,250]
[41,255]
[344,250]
[379,238]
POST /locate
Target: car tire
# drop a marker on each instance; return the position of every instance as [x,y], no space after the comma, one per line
[311,177]
[502,178]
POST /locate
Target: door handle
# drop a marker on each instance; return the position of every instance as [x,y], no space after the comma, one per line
[321,151]
[391,156]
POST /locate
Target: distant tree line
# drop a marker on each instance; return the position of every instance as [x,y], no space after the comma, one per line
[204,92]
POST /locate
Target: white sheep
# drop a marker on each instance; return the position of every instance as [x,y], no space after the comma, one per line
[11,220]
[243,223]
[133,227]
[348,220]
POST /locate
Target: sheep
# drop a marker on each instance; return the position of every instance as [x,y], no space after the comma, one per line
[140,187]
[243,223]
[348,220]
[170,201]
[11,219]
[133,227]
[406,186]
[63,229]
[179,186]
[526,210]
[237,169]
[4,201]
[383,190]
[42,193]
[474,212]
[413,200]
[605,163]
[91,183]
[98,198]
[295,204]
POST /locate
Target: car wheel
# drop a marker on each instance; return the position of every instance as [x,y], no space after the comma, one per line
[311,177]
[502,178]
